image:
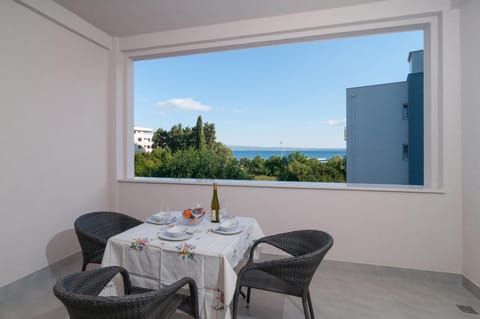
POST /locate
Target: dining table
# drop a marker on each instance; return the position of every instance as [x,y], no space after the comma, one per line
[205,253]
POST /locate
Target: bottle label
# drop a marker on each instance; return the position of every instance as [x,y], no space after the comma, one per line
[214,215]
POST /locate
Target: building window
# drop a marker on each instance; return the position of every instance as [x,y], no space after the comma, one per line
[279,113]
[405,152]
[404,111]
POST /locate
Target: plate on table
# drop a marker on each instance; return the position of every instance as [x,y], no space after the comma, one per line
[161,221]
[165,236]
[234,231]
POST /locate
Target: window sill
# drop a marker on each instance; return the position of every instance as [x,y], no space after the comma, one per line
[288,185]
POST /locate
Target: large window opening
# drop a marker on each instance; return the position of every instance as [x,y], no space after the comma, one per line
[343,110]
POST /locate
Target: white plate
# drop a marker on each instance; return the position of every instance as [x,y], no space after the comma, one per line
[156,221]
[164,235]
[237,230]
[228,227]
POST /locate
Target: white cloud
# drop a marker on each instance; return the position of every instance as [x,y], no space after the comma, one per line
[237,110]
[337,122]
[187,104]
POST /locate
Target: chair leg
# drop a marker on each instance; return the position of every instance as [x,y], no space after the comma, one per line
[310,305]
[305,307]
[242,294]
[235,302]
[84,266]
[247,305]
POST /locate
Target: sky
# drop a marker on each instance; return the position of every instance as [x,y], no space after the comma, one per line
[291,95]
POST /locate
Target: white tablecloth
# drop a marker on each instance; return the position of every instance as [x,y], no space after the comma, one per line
[207,257]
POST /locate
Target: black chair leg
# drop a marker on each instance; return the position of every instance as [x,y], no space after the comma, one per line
[84,266]
[247,305]
[310,305]
[305,307]
[235,302]
[242,294]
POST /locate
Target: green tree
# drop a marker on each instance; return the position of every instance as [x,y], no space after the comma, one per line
[297,156]
[257,166]
[274,165]
[191,163]
[160,138]
[199,135]
[298,171]
[176,138]
[182,152]
[339,164]
[222,150]
[210,135]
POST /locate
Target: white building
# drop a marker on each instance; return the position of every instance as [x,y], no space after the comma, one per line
[142,139]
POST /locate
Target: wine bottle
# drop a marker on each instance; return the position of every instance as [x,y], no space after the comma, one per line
[215,214]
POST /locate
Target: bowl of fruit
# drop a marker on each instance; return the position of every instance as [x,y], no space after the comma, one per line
[192,217]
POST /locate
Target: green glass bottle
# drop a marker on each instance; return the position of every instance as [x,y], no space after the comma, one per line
[215,217]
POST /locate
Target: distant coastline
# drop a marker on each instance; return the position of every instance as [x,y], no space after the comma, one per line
[266,152]
[278,148]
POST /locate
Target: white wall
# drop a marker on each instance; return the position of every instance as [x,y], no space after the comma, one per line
[470,25]
[56,133]
[414,230]
[396,229]
[54,143]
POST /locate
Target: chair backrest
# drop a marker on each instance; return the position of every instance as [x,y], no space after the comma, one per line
[105,224]
[79,293]
[308,248]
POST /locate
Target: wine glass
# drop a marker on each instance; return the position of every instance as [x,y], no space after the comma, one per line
[223,211]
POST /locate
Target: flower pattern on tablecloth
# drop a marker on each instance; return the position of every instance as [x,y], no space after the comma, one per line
[220,306]
[139,244]
[186,250]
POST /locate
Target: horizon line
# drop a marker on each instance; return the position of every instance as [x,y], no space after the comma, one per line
[250,147]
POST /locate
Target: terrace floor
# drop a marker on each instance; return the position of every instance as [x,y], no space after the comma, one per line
[339,290]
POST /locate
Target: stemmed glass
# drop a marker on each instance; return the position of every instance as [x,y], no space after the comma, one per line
[223,211]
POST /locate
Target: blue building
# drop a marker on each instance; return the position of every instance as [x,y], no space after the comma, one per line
[384,133]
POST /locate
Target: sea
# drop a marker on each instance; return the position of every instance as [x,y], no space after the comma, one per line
[320,153]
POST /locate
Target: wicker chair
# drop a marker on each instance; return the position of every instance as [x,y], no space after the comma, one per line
[291,275]
[94,229]
[79,293]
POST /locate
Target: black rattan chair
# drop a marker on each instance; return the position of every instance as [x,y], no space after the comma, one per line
[291,275]
[94,229]
[79,293]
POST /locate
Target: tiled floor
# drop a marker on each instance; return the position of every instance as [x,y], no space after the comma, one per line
[339,291]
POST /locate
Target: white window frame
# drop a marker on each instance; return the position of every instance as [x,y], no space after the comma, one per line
[429,24]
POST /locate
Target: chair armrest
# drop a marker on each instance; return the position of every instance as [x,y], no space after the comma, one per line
[169,291]
[92,282]
[176,286]
[270,240]
[193,295]
[107,274]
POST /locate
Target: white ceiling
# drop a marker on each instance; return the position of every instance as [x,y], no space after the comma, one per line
[132,17]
